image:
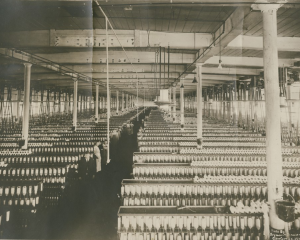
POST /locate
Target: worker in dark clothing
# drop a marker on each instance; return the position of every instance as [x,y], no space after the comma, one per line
[100,156]
[82,167]
[91,168]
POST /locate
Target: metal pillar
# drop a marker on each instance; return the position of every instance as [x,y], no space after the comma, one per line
[75,98]
[18,105]
[255,102]
[100,103]
[117,102]
[199,106]
[108,102]
[122,101]
[26,105]
[182,106]
[174,103]
[97,103]
[273,129]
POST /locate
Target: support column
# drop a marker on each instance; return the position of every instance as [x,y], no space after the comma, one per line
[86,102]
[174,103]
[66,103]
[230,115]
[144,100]
[80,103]
[117,102]
[199,105]
[68,107]
[209,103]
[18,105]
[204,109]
[127,102]
[122,102]
[132,101]
[97,103]
[273,130]
[255,103]
[239,105]
[182,105]
[100,103]
[220,103]
[251,102]
[234,103]
[224,102]
[26,105]
[108,102]
[75,96]
[288,97]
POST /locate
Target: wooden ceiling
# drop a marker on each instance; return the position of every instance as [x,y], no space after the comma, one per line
[30,16]
[288,23]
[184,17]
[167,18]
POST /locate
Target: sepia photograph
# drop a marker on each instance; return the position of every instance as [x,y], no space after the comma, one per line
[150,119]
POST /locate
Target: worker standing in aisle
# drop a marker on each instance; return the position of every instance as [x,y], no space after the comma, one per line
[97,156]
[98,178]
[101,162]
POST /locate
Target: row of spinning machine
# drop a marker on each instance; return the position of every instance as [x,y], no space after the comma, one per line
[35,181]
[179,192]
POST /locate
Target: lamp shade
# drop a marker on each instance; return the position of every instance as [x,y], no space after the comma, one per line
[220,64]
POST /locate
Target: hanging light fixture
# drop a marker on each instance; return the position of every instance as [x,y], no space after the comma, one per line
[181,85]
[220,60]
[220,63]
[195,80]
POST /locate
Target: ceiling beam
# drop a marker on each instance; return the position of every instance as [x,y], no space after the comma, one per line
[154,3]
[247,62]
[189,2]
[231,71]
[96,68]
[290,44]
[22,56]
[119,77]
[127,69]
[97,39]
[114,57]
